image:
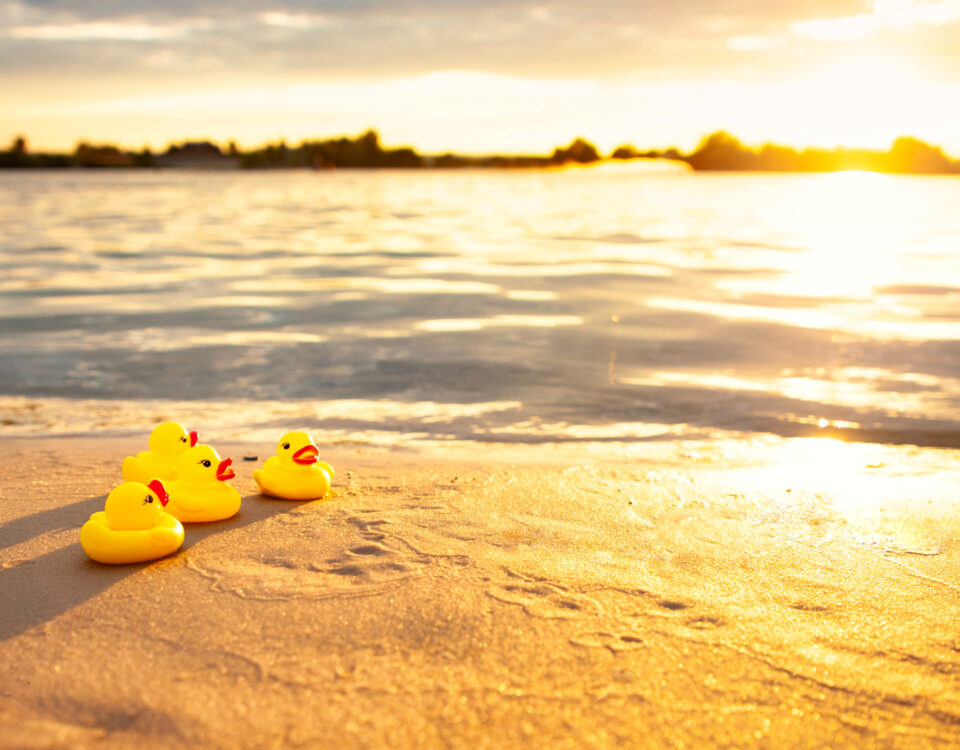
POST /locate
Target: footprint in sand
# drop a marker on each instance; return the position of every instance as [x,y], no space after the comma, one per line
[690,620]
[543,599]
[611,641]
[365,562]
[372,561]
[705,622]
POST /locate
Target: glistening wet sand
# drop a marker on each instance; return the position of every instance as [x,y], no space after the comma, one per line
[696,595]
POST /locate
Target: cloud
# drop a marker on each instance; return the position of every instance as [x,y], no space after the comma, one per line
[707,63]
[749,43]
[380,37]
[896,15]
[102,31]
[299,21]
[367,39]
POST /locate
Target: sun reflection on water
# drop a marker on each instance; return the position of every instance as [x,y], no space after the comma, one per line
[855,233]
[851,387]
[501,321]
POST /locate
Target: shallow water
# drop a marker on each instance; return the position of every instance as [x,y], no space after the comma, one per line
[526,306]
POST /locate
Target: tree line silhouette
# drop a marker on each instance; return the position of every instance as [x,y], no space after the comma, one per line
[719,151]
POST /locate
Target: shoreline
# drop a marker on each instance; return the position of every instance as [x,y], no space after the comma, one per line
[653,167]
[685,595]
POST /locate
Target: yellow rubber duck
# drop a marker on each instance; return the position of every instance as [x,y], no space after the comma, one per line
[167,441]
[295,473]
[201,493]
[133,526]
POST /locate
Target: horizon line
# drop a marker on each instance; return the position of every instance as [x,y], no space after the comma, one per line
[225,143]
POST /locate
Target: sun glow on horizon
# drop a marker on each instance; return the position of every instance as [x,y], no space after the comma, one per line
[863,101]
[856,101]
[859,102]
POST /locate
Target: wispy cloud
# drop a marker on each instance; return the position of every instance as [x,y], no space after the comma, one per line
[103,30]
[886,15]
[298,21]
[376,37]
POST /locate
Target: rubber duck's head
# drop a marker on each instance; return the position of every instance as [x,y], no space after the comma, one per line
[298,449]
[171,439]
[134,506]
[201,463]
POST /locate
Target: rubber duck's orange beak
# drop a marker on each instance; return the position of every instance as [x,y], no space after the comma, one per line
[160,491]
[306,455]
[194,439]
[224,472]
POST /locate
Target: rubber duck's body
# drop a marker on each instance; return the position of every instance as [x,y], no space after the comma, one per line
[167,442]
[201,493]
[133,526]
[295,473]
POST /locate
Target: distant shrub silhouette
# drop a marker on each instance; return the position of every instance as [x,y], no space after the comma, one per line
[913,155]
[721,150]
[364,151]
[108,155]
[19,157]
[625,152]
[579,151]
[718,151]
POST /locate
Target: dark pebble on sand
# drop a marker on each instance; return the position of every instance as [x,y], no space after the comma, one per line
[249,458]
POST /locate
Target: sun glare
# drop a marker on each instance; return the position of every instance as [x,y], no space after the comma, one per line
[860,101]
[854,234]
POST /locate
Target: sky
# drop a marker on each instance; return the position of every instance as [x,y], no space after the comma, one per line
[480,76]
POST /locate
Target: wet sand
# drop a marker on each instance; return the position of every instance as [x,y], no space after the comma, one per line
[769,594]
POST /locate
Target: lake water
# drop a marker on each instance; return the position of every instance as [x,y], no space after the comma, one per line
[519,306]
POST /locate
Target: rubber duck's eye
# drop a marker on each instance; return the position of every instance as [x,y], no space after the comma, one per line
[286,446]
[206,463]
[183,439]
[148,499]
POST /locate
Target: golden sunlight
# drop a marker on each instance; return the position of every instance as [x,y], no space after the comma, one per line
[853,229]
[852,232]
[861,101]
[864,101]
[631,328]
[867,486]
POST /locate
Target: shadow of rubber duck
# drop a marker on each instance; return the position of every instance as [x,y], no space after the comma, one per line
[36,590]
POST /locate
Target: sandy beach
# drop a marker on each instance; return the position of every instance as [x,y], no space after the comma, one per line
[718,594]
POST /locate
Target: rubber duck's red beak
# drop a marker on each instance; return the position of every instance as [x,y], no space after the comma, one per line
[194,439]
[224,472]
[306,455]
[160,491]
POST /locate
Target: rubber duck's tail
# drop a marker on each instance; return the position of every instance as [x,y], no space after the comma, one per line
[134,471]
[327,468]
[263,481]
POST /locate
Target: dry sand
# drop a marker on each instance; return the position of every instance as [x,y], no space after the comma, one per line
[768,594]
